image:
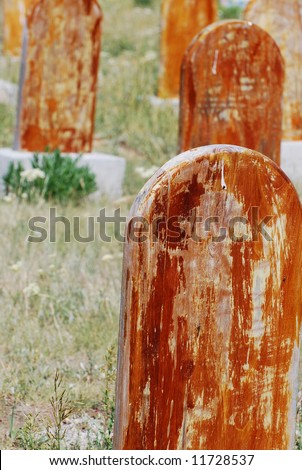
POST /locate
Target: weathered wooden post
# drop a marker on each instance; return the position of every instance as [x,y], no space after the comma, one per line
[282,19]
[231,92]
[14,12]
[181,21]
[61,69]
[211,306]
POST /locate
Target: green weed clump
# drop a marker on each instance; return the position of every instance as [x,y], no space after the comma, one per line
[52,177]
[143,3]
[62,408]
[108,399]
[228,13]
[6,125]
[105,438]
[30,437]
[39,433]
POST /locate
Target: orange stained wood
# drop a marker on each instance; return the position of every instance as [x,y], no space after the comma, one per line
[181,21]
[282,19]
[59,91]
[13,22]
[231,93]
[211,306]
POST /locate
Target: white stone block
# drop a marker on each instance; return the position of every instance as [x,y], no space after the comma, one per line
[109,169]
[157,102]
[8,93]
[291,161]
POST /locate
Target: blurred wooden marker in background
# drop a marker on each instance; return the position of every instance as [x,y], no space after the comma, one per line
[58,95]
[181,21]
[231,91]
[282,19]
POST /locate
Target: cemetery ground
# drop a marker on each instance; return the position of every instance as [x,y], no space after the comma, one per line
[59,302]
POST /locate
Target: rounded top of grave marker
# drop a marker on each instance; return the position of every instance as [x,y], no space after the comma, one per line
[210,313]
[231,92]
[282,20]
[220,168]
[225,31]
[92,6]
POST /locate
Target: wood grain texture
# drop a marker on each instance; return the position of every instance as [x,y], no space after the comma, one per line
[231,92]
[14,12]
[282,19]
[209,332]
[181,21]
[59,90]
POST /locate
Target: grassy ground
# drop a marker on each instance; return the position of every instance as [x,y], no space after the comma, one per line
[59,302]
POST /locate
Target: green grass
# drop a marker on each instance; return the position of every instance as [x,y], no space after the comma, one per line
[126,123]
[7,123]
[60,302]
[59,310]
[226,13]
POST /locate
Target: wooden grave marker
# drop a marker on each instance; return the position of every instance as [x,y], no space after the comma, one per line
[181,21]
[282,19]
[211,306]
[58,95]
[231,92]
[14,12]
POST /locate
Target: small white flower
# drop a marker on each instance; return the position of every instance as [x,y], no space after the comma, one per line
[149,57]
[24,196]
[107,257]
[16,266]
[32,174]
[31,290]
[7,199]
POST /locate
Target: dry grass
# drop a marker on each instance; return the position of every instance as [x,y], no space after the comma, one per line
[60,306]
[59,302]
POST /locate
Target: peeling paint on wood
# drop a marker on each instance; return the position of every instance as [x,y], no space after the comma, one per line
[283,21]
[59,90]
[14,12]
[209,332]
[231,92]
[181,21]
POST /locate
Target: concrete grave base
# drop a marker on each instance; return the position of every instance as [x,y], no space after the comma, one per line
[291,161]
[109,169]
[164,102]
[8,93]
